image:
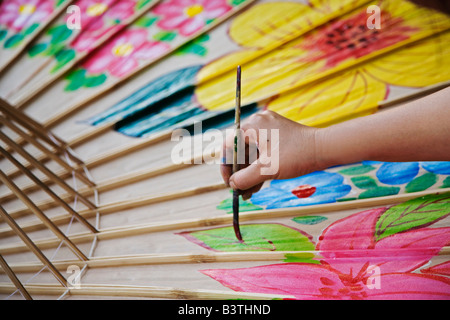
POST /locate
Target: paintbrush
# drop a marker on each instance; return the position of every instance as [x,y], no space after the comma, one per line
[237,124]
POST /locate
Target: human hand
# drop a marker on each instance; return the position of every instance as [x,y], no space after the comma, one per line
[290,146]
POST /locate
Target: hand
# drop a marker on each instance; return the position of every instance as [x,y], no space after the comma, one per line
[294,152]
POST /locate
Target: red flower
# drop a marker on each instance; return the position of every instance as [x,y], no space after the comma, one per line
[351,39]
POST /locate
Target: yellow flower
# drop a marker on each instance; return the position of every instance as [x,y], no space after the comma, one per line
[332,73]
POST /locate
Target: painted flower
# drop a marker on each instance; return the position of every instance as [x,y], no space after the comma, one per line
[314,188]
[91,10]
[189,16]
[319,78]
[362,259]
[19,14]
[121,55]
[397,173]
[107,24]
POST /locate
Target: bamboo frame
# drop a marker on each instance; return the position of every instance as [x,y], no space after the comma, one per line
[188,258]
[14,279]
[144,292]
[56,179]
[31,246]
[52,194]
[133,230]
[10,184]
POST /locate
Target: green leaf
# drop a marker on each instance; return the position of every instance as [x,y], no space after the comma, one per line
[256,237]
[13,41]
[59,2]
[141,3]
[193,48]
[31,29]
[59,34]
[63,57]
[421,183]
[145,21]
[446,183]
[166,36]
[76,79]
[3,34]
[356,170]
[412,214]
[379,192]
[309,220]
[95,81]
[302,257]
[364,182]
[38,48]
[236,2]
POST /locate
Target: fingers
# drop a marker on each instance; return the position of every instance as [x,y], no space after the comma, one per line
[248,178]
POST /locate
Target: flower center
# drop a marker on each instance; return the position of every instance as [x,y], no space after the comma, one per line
[96,9]
[123,50]
[27,9]
[194,10]
[304,191]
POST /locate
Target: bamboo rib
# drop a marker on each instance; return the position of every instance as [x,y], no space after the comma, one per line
[210,257]
[120,232]
[11,185]
[14,279]
[32,246]
[107,290]
[44,187]
[46,151]
[115,207]
[56,179]
[37,129]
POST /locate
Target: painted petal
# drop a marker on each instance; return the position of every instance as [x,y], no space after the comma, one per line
[172,22]
[350,238]
[443,268]
[151,50]
[411,286]
[422,64]
[395,173]
[191,26]
[272,198]
[420,246]
[438,167]
[303,281]
[351,94]
[122,67]
[168,9]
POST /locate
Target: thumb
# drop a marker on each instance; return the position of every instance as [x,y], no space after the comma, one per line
[248,177]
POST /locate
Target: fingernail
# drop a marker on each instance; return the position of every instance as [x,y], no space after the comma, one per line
[232,185]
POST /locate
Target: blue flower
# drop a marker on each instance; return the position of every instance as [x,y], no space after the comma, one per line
[438,167]
[314,188]
[397,173]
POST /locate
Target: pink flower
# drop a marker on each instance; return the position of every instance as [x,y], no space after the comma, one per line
[19,14]
[91,10]
[189,16]
[352,260]
[121,55]
[94,31]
